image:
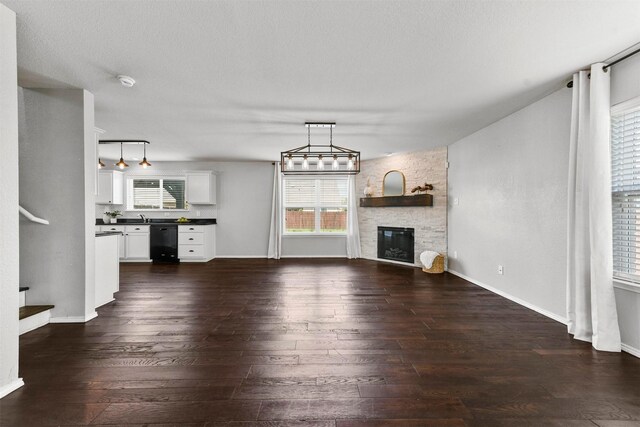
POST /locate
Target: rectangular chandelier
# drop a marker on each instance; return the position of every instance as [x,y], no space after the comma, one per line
[318,159]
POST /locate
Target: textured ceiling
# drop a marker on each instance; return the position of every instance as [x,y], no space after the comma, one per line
[237,79]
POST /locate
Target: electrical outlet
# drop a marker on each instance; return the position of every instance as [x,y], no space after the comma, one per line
[197,213]
[456,201]
[500,269]
[455,255]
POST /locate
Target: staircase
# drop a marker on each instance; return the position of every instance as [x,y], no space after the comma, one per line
[32,316]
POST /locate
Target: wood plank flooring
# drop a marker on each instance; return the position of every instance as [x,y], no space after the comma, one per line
[315,343]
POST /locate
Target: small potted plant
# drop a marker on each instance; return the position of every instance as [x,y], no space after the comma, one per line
[110,217]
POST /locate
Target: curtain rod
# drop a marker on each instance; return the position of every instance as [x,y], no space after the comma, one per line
[606,67]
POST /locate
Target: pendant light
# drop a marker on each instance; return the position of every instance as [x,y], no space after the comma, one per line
[100,163]
[327,159]
[144,163]
[121,163]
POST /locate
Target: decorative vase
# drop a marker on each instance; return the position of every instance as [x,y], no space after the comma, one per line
[114,220]
[368,190]
[106,219]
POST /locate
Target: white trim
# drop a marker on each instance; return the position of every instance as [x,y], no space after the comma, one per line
[404,264]
[74,319]
[11,387]
[239,256]
[135,260]
[318,234]
[313,256]
[626,285]
[631,350]
[35,321]
[510,297]
[627,106]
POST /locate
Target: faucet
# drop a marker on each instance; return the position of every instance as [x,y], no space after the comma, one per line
[144,219]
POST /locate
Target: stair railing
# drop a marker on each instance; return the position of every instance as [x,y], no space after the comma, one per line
[31,217]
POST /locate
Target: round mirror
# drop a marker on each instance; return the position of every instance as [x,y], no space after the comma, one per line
[393,184]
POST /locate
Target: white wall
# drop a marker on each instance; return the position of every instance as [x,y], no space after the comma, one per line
[625,85]
[9,240]
[510,180]
[57,178]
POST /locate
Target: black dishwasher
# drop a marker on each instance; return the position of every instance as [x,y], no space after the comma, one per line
[164,243]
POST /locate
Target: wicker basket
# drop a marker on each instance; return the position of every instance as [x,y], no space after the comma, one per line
[437,266]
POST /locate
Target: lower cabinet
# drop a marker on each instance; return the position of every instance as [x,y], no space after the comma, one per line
[196,243]
[133,244]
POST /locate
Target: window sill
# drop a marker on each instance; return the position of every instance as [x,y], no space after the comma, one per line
[626,285]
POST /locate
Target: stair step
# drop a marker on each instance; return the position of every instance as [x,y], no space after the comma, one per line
[24,288]
[31,310]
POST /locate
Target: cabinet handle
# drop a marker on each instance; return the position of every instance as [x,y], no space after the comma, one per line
[190,250]
[137,229]
[190,238]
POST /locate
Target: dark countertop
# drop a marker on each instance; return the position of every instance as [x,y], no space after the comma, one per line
[107,233]
[160,221]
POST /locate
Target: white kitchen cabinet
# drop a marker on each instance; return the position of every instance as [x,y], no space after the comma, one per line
[133,243]
[196,243]
[137,246]
[110,188]
[201,188]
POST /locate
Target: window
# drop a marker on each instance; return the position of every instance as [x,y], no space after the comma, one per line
[154,193]
[625,180]
[315,206]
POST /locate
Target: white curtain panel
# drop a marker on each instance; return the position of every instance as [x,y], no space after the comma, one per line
[275,231]
[591,306]
[353,232]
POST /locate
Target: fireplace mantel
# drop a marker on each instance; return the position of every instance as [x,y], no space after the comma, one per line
[390,201]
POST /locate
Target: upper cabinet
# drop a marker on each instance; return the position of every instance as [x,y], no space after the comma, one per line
[201,188]
[110,188]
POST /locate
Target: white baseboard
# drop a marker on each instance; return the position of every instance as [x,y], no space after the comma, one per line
[314,256]
[240,256]
[74,319]
[631,350]
[405,264]
[510,297]
[36,321]
[11,387]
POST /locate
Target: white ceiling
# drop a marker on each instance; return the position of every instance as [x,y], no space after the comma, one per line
[237,79]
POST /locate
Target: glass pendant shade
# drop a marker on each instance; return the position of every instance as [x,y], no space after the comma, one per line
[320,165]
[290,162]
[350,162]
[305,163]
[335,165]
[144,163]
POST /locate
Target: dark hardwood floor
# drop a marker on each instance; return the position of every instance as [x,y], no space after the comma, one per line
[315,343]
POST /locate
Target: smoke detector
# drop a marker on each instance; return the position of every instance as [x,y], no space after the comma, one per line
[126,81]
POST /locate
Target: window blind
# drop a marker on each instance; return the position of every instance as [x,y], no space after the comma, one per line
[625,182]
